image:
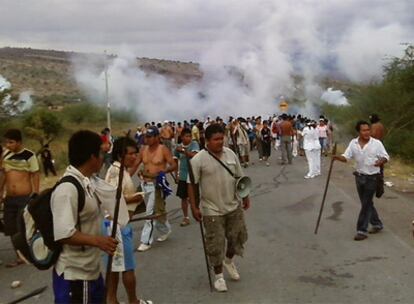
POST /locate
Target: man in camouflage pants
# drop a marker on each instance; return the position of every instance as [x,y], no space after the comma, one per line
[220,210]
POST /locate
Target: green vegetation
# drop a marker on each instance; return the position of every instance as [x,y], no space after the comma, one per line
[41,125]
[392,99]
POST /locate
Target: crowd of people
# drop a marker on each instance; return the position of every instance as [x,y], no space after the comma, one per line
[202,156]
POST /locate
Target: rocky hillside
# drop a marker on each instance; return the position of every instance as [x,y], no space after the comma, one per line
[48,73]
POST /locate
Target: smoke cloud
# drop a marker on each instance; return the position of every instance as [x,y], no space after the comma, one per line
[4,84]
[13,107]
[335,97]
[265,42]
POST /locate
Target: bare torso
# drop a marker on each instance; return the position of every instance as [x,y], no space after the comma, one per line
[154,162]
[377,131]
[167,133]
[18,183]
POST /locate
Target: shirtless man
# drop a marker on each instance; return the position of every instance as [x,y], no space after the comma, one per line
[167,135]
[156,158]
[21,180]
[377,128]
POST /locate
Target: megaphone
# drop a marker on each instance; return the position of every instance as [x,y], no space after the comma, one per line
[243,186]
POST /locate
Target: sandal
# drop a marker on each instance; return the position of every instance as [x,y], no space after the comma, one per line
[185,222]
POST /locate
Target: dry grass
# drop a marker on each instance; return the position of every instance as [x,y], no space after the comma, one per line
[59,146]
[401,174]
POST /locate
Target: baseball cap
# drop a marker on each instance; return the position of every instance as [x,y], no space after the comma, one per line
[152,131]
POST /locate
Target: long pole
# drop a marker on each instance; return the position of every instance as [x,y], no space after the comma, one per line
[116,212]
[326,190]
[108,103]
[197,198]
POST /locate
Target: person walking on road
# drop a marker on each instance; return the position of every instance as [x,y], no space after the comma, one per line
[266,136]
[77,273]
[186,150]
[287,134]
[312,149]
[220,209]
[158,161]
[323,136]
[369,155]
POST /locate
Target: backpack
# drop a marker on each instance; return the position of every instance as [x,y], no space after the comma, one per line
[34,241]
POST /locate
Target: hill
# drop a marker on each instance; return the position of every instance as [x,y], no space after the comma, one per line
[49,73]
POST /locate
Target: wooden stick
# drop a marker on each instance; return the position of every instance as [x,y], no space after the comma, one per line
[197,197]
[116,212]
[326,189]
[29,295]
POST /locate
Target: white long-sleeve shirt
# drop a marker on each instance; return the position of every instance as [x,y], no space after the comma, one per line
[366,157]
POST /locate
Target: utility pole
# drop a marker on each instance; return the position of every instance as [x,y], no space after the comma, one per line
[108,103]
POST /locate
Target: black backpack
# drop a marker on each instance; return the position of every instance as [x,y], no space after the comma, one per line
[34,241]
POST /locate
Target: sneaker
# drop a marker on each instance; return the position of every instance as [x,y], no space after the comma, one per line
[267,164]
[185,222]
[260,159]
[143,247]
[220,285]
[232,270]
[145,301]
[307,176]
[164,237]
[360,237]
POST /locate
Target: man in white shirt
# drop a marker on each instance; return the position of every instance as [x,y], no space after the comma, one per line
[369,155]
[77,274]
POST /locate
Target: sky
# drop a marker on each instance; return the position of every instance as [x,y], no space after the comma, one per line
[181,29]
[267,40]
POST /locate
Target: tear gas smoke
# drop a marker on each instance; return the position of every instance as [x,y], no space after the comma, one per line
[335,97]
[267,43]
[4,84]
[14,107]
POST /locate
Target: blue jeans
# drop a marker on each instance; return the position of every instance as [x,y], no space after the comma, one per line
[366,187]
[323,142]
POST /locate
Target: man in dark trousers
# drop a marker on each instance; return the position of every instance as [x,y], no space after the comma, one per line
[47,161]
[21,180]
[369,155]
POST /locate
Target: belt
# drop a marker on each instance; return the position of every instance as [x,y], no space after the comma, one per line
[362,174]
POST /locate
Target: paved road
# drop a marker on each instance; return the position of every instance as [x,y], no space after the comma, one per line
[284,261]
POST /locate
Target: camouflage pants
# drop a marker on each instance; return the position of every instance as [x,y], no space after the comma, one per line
[219,229]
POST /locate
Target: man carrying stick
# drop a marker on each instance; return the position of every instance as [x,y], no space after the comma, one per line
[158,161]
[369,154]
[220,210]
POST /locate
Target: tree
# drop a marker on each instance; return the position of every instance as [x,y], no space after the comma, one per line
[42,125]
[392,99]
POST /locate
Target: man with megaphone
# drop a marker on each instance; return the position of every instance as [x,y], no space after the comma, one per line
[222,185]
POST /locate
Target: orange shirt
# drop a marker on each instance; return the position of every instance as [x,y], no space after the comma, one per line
[286,128]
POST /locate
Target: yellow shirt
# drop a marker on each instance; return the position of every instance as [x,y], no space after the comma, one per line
[25,160]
